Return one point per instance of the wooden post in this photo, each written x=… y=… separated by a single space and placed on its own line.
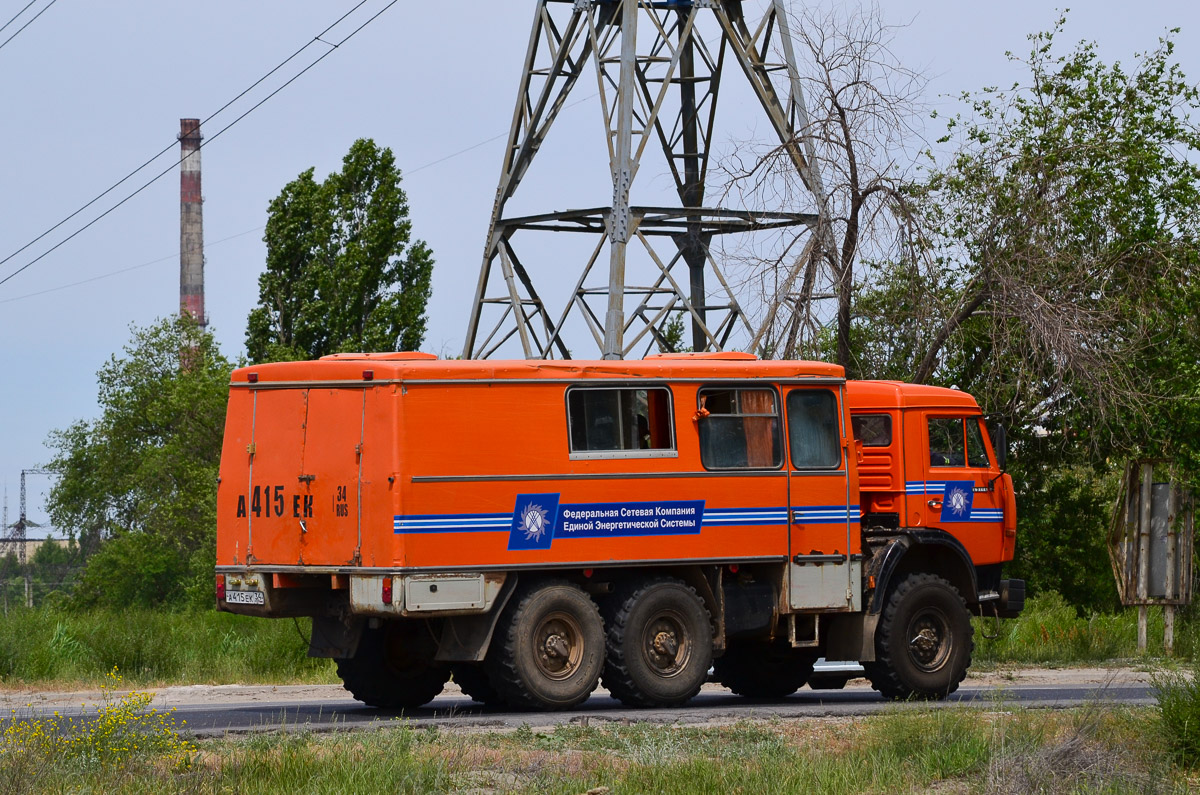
x=1169 y=629
x=1143 y=562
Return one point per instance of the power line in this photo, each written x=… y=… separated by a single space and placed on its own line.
x=45 y=8
x=110 y=274
x=155 y=178
x=19 y=13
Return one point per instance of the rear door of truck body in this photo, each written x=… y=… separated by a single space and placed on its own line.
x=951 y=481
x=310 y=477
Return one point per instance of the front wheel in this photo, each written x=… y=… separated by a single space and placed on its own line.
x=924 y=641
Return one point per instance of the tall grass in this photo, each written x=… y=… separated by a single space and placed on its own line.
x=1050 y=631
x=48 y=647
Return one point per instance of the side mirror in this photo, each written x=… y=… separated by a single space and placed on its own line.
x=1000 y=443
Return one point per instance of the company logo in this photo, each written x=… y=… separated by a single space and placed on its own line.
x=957 y=499
x=533 y=521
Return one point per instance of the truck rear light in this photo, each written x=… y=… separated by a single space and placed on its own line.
x=252 y=377
x=220 y=587
x=387 y=590
x=368 y=375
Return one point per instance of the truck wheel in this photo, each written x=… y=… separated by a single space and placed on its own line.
x=548 y=649
x=924 y=641
x=474 y=682
x=763 y=670
x=394 y=667
x=659 y=644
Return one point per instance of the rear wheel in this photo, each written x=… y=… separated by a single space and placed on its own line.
x=924 y=641
x=548 y=649
x=394 y=667
x=763 y=670
x=659 y=644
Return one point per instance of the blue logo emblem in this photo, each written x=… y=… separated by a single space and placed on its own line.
x=533 y=521
x=957 y=499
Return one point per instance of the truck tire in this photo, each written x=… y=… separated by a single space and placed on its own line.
x=548 y=649
x=763 y=670
x=474 y=682
x=659 y=643
x=394 y=667
x=924 y=640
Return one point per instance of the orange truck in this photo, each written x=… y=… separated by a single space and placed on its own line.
x=533 y=528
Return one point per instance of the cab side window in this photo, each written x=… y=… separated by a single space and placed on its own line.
x=742 y=429
x=813 y=429
x=956 y=442
x=619 y=421
x=947 y=445
x=873 y=430
x=976 y=453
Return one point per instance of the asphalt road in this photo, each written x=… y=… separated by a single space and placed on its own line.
x=713 y=705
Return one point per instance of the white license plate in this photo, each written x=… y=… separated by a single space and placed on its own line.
x=245 y=597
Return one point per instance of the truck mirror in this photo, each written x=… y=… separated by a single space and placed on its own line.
x=1000 y=442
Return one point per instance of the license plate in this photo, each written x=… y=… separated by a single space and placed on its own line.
x=245 y=597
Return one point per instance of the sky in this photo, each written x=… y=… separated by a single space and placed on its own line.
x=90 y=91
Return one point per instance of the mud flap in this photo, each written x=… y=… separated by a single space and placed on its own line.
x=466 y=638
x=334 y=637
x=852 y=637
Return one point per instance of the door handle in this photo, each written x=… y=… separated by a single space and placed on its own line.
x=934 y=503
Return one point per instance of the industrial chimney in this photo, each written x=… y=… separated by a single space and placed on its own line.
x=191 y=223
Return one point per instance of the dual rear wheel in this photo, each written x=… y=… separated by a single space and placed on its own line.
x=653 y=646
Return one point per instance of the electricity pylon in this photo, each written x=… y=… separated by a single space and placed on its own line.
x=659 y=80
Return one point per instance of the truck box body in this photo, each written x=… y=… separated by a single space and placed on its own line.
x=427 y=465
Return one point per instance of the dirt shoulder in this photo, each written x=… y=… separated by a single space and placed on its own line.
x=179 y=695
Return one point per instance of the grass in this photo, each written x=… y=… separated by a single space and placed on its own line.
x=51 y=648
x=1049 y=631
x=1095 y=749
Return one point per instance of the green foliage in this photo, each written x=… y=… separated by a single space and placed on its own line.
x=1051 y=631
x=341 y=273
x=1064 y=229
x=1064 y=514
x=133 y=570
x=144 y=473
x=1178 y=697
x=671 y=335
x=58 y=648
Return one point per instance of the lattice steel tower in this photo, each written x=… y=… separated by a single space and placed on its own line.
x=658 y=80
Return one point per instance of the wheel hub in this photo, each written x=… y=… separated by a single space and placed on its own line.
x=558 y=646
x=930 y=641
x=666 y=646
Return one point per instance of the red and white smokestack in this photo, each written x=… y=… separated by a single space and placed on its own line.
x=191 y=223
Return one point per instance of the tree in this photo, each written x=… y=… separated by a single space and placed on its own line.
x=864 y=107
x=341 y=272
x=145 y=471
x=1065 y=226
